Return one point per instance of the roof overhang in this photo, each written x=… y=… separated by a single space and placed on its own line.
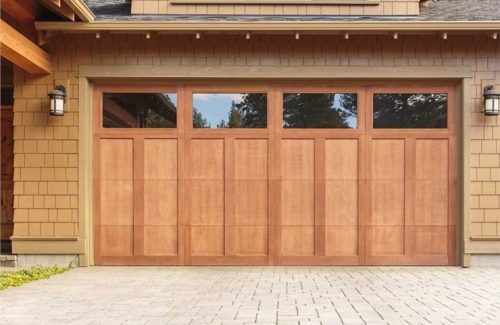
x=81 y=10
x=69 y=9
x=269 y=26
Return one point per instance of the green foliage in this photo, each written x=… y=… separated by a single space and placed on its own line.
x=198 y=120
x=326 y=110
x=410 y=110
x=18 y=278
x=251 y=112
x=222 y=124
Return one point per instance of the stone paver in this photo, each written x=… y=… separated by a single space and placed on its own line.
x=262 y=295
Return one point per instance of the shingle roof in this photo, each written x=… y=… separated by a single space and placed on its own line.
x=437 y=10
x=461 y=10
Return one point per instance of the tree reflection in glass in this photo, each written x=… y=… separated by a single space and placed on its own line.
x=400 y=111
x=320 y=111
x=233 y=111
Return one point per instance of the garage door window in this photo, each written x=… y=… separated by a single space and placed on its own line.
x=320 y=111
x=139 y=110
x=230 y=110
x=415 y=111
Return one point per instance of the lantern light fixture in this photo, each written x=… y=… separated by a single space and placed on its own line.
x=57 y=99
x=491 y=101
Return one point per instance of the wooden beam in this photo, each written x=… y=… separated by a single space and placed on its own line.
x=22 y=11
x=119 y=112
x=60 y=8
x=81 y=10
x=18 y=49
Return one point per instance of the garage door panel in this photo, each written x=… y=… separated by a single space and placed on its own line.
x=247 y=240
x=387 y=240
x=250 y=203
x=206 y=202
x=117 y=240
x=116 y=158
x=206 y=159
x=341 y=241
x=388 y=159
x=160 y=240
x=341 y=203
x=297 y=241
x=385 y=230
x=251 y=159
x=431 y=240
x=160 y=159
x=116 y=202
x=432 y=159
x=207 y=240
x=388 y=203
x=297 y=202
x=432 y=207
x=160 y=206
x=341 y=159
x=297 y=159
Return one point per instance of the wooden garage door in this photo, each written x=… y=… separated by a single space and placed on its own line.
x=268 y=175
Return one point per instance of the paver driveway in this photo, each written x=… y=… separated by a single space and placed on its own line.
x=263 y=295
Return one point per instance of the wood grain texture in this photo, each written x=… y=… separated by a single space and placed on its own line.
x=416 y=177
x=21 y=51
x=275 y=196
x=160 y=159
x=342 y=175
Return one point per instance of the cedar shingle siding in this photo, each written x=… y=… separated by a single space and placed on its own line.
x=46 y=148
x=386 y=7
x=436 y=10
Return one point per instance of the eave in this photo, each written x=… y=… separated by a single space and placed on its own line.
x=68 y=9
x=270 y=26
x=81 y=10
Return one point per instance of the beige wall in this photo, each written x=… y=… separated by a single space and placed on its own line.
x=45 y=160
x=382 y=7
x=46 y=148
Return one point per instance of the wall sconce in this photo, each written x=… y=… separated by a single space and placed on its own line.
x=491 y=101
x=57 y=99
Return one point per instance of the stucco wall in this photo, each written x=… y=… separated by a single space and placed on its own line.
x=46 y=148
x=236 y=7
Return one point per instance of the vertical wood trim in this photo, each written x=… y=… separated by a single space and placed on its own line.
x=229 y=197
x=86 y=105
x=367 y=230
x=454 y=215
x=452 y=111
x=464 y=197
x=362 y=165
x=278 y=102
x=319 y=197
x=188 y=116
x=97 y=96
x=181 y=176
x=363 y=162
x=138 y=179
x=272 y=196
x=409 y=198
x=452 y=201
